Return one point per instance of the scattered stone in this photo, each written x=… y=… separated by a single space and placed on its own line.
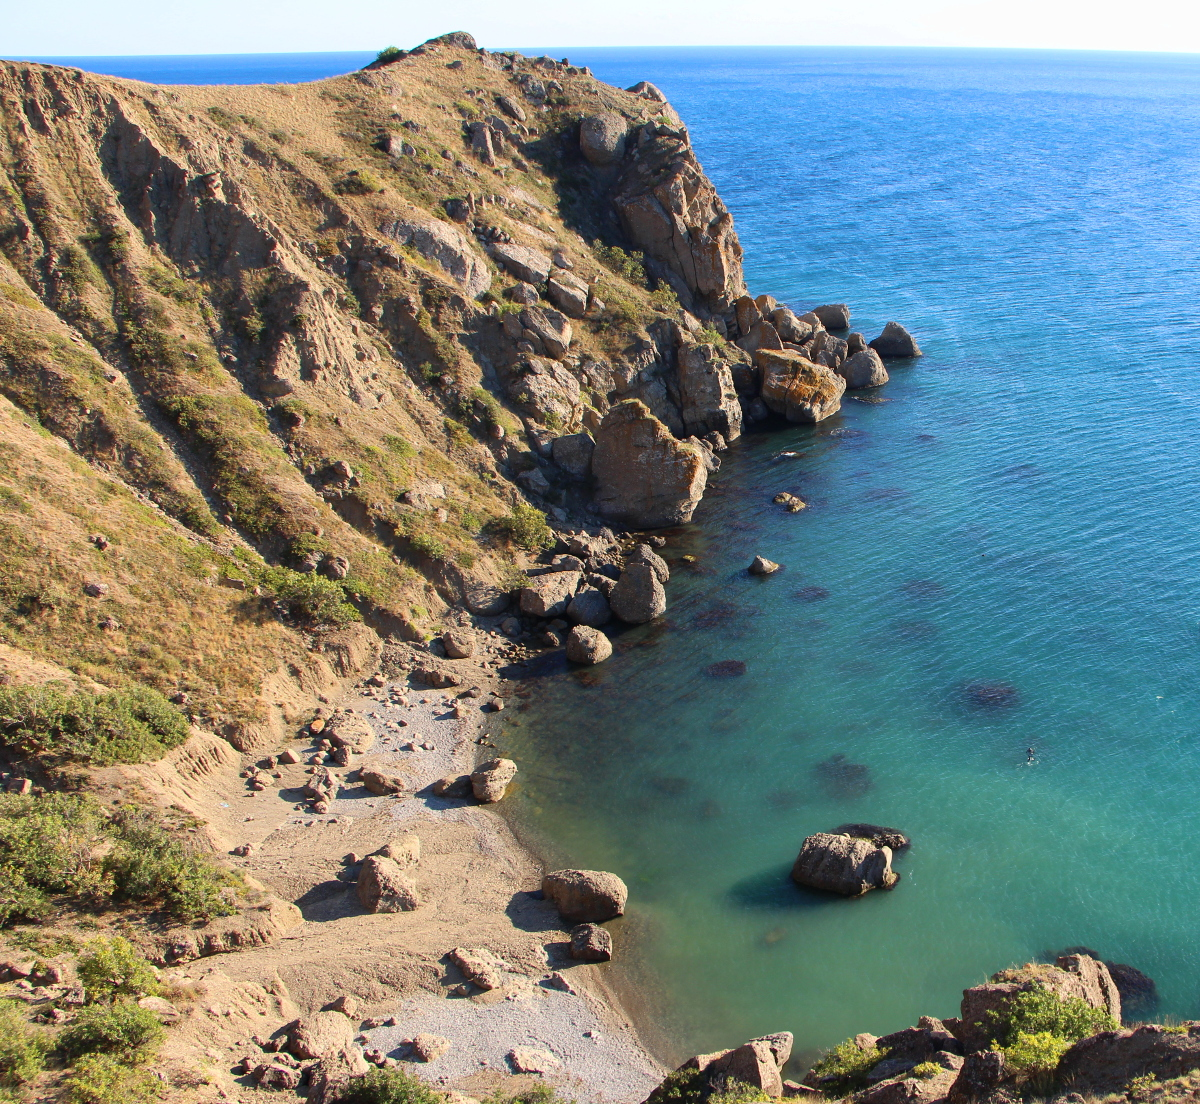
x=763 y=566
x=320 y=1034
x=458 y=644
x=429 y=1048
x=490 y=780
x=480 y=966
x=585 y=896
x=981 y=1075
x=404 y=850
x=588 y=645
x=895 y=341
x=453 y=786
x=383 y=779
x=95 y=590
x=590 y=943
x=163 y=1009
x=289 y=757
x=525 y=1059
x=345 y=1004
x=384 y=887
x=843 y=864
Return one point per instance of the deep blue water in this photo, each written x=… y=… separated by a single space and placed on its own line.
x=1024 y=509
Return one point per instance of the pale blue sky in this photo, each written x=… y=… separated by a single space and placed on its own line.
x=88 y=27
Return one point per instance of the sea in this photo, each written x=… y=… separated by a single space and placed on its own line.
x=986 y=629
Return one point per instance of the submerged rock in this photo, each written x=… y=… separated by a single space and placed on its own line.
x=879 y=836
x=726 y=668
x=841 y=778
x=645 y=478
x=843 y=864
x=991 y=696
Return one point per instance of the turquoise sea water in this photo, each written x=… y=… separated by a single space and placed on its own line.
x=1024 y=509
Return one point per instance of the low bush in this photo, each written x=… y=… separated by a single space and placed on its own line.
x=629 y=265
x=309 y=597
x=1039 y=1011
x=388 y=54
x=1035 y=1058
x=525 y=527
x=844 y=1069
x=358 y=182
x=23 y=1048
x=690 y=1086
x=124 y=1031
x=102 y=1079
x=926 y=1070
x=112 y=968
x=124 y=726
x=390 y=1086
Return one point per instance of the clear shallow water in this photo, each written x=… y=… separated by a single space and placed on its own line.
x=1024 y=509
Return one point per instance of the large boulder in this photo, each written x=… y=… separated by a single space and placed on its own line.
x=843 y=864
x=758 y=1063
x=550 y=595
x=797 y=388
x=833 y=316
x=585 y=896
x=789 y=327
x=638 y=596
x=480 y=966
x=590 y=943
x=896 y=341
x=383 y=886
x=350 y=731
x=602 y=138
x=382 y=777
x=448 y=247
x=530 y=265
x=645 y=478
x=914 y=1090
x=573 y=453
x=568 y=293
x=863 y=369
x=490 y=780
x=320 y=1034
x=643 y=553
x=1107 y=1062
x=553 y=329
x=589 y=607
x=587 y=645
x=458 y=643
x=707 y=398
x=981 y=1075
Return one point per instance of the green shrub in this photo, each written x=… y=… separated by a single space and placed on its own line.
x=738 y=1092
x=1035 y=1057
x=1039 y=1011
x=112 y=968
x=709 y=335
x=124 y=1031
x=388 y=54
x=23 y=1048
x=149 y=864
x=124 y=726
x=690 y=1086
x=538 y=1093
x=102 y=1079
x=389 y=1086
x=844 y=1069
x=429 y=546
x=526 y=527
x=358 y=182
x=309 y=597
x=926 y=1070
x=629 y=265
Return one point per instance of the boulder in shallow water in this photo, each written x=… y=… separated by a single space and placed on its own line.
x=896 y=341
x=843 y=864
x=833 y=316
x=638 y=596
x=585 y=896
x=590 y=943
x=549 y=595
x=792 y=385
x=863 y=369
x=490 y=780
x=589 y=607
x=643 y=553
x=762 y=566
x=587 y=645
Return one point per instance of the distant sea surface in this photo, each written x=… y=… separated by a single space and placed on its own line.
x=1001 y=552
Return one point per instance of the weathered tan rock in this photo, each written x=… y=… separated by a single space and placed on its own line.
x=863 y=369
x=602 y=138
x=588 y=645
x=590 y=943
x=843 y=864
x=569 y=294
x=485 y=599
x=527 y=1059
x=638 y=596
x=480 y=966
x=530 y=265
x=446 y=245
x=645 y=478
x=429 y=1048
x=334 y=1072
x=585 y=896
x=708 y=401
x=798 y=389
x=383 y=886
x=909 y=1090
x=383 y=777
x=671 y=212
x=552 y=327
x=981 y=1075
x=458 y=644
x=404 y=851
x=320 y=1034
x=549 y=595
x=758 y=1063
x=762 y=566
x=490 y=780
x=1107 y=1062
x=747 y=312
x=833 y=316
x=896 y=341
x=789 y=327
x=762 y=335
x=351 y=731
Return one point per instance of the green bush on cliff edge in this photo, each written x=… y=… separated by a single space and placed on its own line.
x=844 y=1069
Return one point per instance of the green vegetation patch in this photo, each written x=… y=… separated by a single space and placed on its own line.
x=691 y=1086
x=102 y=1079
x=124 y=1031
x=526 y=527
x=389 y=1086
x=844 y=1069
x=51 y=724
x=23 y=1048
x=112 y=969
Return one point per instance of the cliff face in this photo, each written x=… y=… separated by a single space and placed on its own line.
x=327 y=326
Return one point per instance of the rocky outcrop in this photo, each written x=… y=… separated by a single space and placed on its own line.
x=645 y=478
x=708 y=401
x=843 y=864
x=531 y=265
x=587 y=645
x=573 y=453
x=896 y=341
x=981 y=1075
x=638 y=596
x=797 y=388
x=602 y=138
x=585 y=896
x=1107 y=1062
x=671 y=212
x=758 y=1063
x=833 y=316
x=446 y=245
